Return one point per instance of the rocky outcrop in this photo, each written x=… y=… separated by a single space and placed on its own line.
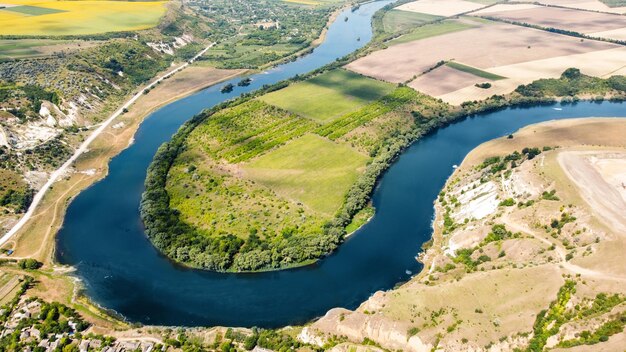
x=357 y=327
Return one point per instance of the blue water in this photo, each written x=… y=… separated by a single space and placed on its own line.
x=103 y=237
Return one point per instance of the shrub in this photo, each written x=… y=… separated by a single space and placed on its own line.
x=29 y=264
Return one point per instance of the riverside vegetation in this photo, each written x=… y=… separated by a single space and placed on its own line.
x=55 y=89
x=31 y=323
x=262 y=223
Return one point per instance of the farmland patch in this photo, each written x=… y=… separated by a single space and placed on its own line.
x=329 y=95
x=311 y=170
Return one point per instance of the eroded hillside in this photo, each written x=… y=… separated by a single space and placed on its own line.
x=526 y=253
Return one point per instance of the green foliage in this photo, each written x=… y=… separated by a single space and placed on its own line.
x=238 y=141
x=572 y=83
x=601 y=304
x=531 y=153
x=474 y=71
x=280 y=342
x=329 y=95
x=464 y=256
x=29 y=264
x=137 y=61
x=413 y=331
x=245 y=42
x=614 y=326
x=395 y=21
x=34 y=94
x=247 y=130
x=18 y=199
x=558 y=224
x=548 y=322
x=347 y=123
x=509 y=202
x=551 y=195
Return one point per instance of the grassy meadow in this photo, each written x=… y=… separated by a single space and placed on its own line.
x=311 y=170
x=474 y=71
x=62 y=18
x=329 y=95
x=432 y=30
x=397 y=20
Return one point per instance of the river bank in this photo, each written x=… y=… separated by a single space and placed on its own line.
x=472 y=302
x=37 y=238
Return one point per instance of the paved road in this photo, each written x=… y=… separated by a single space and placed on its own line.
x=85 y=146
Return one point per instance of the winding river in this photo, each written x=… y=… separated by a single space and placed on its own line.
x=103 y=238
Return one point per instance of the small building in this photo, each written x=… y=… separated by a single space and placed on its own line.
x=44 y=343
x=84 y=346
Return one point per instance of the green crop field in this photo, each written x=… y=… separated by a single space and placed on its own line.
x=310 y=169
x=432 y=30
x=247 y=130
x=614 y=3
x=23 y=48
x=474 y=71
x=328 y=96
x=217 y=203
x=32 y=10
x=398 y=20
x=60 y=18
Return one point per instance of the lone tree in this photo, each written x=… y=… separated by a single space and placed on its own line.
x=571 y=73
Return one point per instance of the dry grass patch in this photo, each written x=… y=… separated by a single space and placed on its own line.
x=591 y=23
x=591 y=5
x=444 y=80
x=444 y=8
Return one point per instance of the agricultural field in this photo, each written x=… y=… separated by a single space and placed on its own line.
x=433 y=30
x=609 y=6
x=329 y=95
x=247 y=130
x=473 y=47
x=594 y=24
x=311 y=170
x=257 y=173
x=63 y=18
x=443 y=80
x=216 y=201
x=475 y=69
x=9 y=285
x=398 y=20
x=254 y=179
x=13 y=49
x=445 y=8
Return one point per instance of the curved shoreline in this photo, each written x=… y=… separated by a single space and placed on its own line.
x=84 y=146
x=16 y=232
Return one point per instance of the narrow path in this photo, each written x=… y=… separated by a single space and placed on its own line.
x=561 y=251
x=84 y=147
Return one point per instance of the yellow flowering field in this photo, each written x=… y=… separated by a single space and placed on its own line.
x=54 y=18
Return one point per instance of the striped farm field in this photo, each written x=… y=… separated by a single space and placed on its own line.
x=62 y=18
x=328 y=96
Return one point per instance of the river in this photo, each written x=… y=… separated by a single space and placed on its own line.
x=103 y=237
